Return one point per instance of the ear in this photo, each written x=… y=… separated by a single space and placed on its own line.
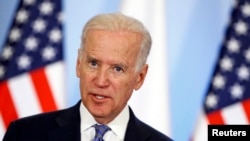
x=141 y=77
x=78 y=63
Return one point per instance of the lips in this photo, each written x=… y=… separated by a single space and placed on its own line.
x=99 y=97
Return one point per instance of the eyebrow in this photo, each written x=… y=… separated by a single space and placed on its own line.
x=90 y=58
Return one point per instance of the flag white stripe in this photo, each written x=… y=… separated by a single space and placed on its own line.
x=151 y=101
x=201 y=129
x=234 y=114
x=2 y=129
x=24 y=95
x=56 y=79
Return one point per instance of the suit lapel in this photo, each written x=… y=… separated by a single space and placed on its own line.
x=135 y=130
x=69 y=125
x=71 y=133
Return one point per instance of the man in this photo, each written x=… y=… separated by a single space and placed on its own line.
x=111 y=64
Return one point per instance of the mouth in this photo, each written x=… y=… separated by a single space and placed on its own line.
x=99 y=97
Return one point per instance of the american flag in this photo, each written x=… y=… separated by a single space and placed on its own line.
x=228 y=97
x=31 y=62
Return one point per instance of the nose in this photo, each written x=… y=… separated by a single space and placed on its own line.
x=102 y=78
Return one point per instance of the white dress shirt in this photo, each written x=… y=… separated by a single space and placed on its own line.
x=118 y=125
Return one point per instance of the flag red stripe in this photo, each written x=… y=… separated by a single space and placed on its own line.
x=246 y=105
x=7 y=108
x=215 y=118
x=43 y=90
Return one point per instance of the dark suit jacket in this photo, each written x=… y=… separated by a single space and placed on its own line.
x=64 y=125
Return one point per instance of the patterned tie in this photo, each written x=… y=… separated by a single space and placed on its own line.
x=100 y=130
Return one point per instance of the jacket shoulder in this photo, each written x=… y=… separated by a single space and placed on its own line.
x=155 y=134
x=36 y=126
x=143 y=131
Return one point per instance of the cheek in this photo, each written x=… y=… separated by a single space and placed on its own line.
x=130 y=84
x=85 y=83
x=125 y=88
x=82 y=71
x=85 y=79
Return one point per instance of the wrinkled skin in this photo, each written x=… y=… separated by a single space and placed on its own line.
x=106 y=69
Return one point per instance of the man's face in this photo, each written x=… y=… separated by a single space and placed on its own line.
x=107 y=73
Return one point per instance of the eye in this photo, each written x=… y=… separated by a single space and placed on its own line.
x=93 y=64
x=118 y=69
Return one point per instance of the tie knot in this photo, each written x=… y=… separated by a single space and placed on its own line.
x=100 y=130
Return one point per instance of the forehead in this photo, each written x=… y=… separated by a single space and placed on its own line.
x=127 y=35
x=116 y=40
x=109 y=45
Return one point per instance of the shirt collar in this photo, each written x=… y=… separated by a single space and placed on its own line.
x=118 y=125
